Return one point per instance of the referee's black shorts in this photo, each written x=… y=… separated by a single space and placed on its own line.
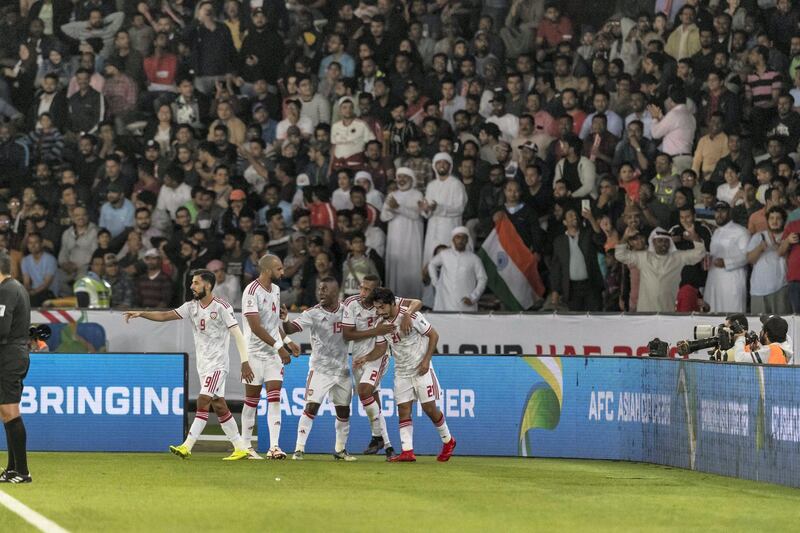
x=14 y=363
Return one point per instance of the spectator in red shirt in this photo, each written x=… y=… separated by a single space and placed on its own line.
x=554 y=27
x=790 y=250
x=322 y=212
x=161 y=68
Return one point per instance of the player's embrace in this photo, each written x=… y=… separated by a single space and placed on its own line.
x=213 y=323
x=414 y=377
x=328 y=371
x=261 y=309
x=360 y=325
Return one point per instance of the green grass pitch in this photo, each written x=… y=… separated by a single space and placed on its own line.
x=159 y=492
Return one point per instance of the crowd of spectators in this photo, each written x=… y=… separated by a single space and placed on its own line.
x=645 y=150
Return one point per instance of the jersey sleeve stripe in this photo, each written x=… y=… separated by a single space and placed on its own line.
x=251 y=313
x=177 y=313
x=298 y=326
x=380 y=341
x=428 y=330
x=222 y=302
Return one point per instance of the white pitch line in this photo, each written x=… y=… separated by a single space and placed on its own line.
x=29 y=515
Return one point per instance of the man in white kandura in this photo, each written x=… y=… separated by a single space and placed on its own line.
x=329 y=369
x=213 y=323
x=414 y=377
x=458 y=275
x=360 y=325
x=405 y=235
x=261 y=309
x=726 y=286
x=444 y=203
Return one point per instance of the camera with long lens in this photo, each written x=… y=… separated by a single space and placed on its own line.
x=717 y=338
x=41 y=332
x=657 y=348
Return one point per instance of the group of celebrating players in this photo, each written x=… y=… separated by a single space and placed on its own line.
x=376 y=323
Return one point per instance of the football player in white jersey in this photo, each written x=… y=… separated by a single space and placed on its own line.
x=261 y=309
x=213 y=323
x=329 y=370
x=414 y=377
x=360 y=325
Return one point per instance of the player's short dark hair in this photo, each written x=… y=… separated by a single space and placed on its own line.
x=5 y=263
x=328 y=279
x=383 y=295
x=206 y=275
x=371 y=277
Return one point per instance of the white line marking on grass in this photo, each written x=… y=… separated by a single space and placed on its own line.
x=29 y=515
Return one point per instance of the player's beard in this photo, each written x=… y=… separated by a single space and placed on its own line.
x=200 y=295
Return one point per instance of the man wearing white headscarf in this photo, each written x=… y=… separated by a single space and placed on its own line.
x=404 y=238
x=659 y=267
x=457 y=274
x=374 y=196
x=444 y=203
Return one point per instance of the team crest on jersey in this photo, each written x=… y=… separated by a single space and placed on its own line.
x=213 y=315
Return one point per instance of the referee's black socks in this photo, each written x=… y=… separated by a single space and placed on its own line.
x=16 y=437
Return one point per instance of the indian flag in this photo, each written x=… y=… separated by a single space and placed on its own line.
x=513 y=270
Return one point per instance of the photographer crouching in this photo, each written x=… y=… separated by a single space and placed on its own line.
x=721 y=339
x=773 y=346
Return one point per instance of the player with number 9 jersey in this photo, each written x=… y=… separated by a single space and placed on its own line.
x=212 y=337
x=213 y=325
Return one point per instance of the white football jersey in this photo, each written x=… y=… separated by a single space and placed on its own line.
x=363 y=318
x=212 y=337
x=328 y=347
x=266 y=304
x=408 y=350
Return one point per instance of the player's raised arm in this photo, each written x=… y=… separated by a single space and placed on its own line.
x=377 y=352
x=155 y=316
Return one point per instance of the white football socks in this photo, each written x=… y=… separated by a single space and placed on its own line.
x=231 y=430
x=444 y=431
x=303 y=429
x=342 y=432
x=274 y=417
x=198 y=425
x=407 y=435
x=249 y=419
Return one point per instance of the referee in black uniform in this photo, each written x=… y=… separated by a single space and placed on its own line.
x=15 y=323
